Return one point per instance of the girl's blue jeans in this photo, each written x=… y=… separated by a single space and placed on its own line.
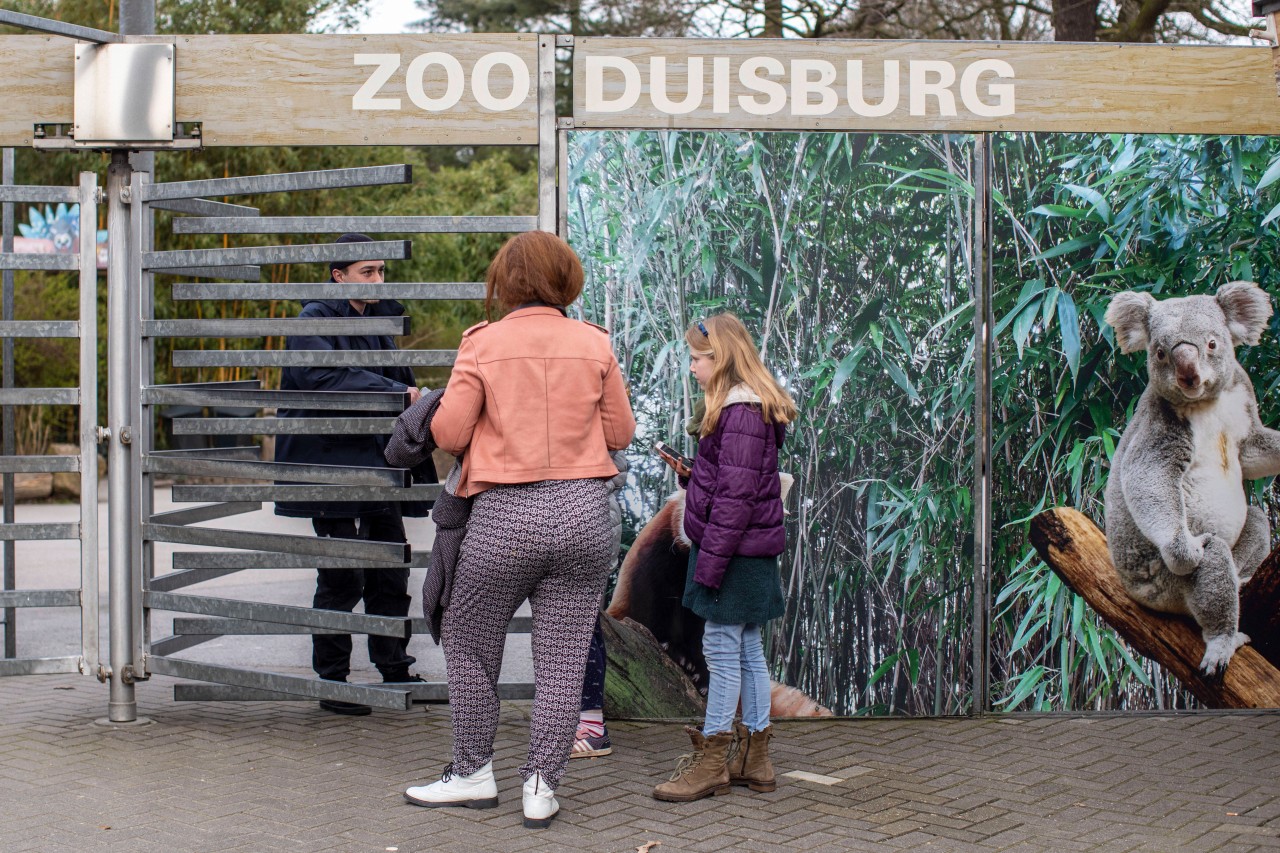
x=735 y=657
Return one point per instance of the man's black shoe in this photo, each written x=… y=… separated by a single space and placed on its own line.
x=348 y=709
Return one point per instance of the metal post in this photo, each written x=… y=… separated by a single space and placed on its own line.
x=123 y=706
x=547 y=161
x=89 y=627
x=982 y=330
x=9 y=441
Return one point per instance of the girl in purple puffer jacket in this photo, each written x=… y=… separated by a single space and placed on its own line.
x=733 y=517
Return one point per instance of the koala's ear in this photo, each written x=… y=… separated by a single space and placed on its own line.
x=1128 y=314
x=1247 y=308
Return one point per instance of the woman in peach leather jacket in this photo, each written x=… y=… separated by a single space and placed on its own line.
x=535 y=405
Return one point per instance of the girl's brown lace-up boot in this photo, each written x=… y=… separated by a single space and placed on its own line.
x=701 y=773
x=750 y=763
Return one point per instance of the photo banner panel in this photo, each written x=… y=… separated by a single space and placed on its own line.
x=310 y=89
x=935 y=86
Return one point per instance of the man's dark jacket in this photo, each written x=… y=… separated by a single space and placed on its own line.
x=359 y=450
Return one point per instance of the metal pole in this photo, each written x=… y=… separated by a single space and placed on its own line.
x=123 y=706
x=547 y=160
x=982 y=330
x=9 y=441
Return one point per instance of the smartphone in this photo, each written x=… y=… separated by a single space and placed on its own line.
x=682 y=464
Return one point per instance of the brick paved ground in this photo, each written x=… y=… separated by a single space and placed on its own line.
x=268 y=777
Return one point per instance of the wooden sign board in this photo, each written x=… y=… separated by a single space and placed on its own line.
x=310 y=89
x=938 y=86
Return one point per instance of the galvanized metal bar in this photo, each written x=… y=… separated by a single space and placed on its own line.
x=39 y=329
x=238 y=560
x=43 y=666
x=257 y=612
x=260 y=328
x=431 y=691
x=173 y=645
x=202 y=207
x=517 y=625
x=283 y=426
x=235 y=273
x=562 y=184
x=547 y=160
x=11 y=193
x=393 y=553
x=40 y=598
x=184 y=494
x=44 y=531
x=8 y=549
x=224 y=626
x=983 y=324
x=39 y=464
x=122 y=706
x=319 y=253
x=330 y=179
x=170 y=581
x=395 y=699
x=142 y=354
x=87 y=462
x=168 y=462
x=246 y=453
x=197 y=514
x=48 y=262
x=363 y=224
x=58 y=28
x=354 y=401
x=332 y=290
x=39 y=396
x=314 y=358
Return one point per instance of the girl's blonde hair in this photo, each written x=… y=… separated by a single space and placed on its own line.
x=737 y=362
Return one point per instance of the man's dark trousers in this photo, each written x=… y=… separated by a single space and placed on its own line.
x=384 y=591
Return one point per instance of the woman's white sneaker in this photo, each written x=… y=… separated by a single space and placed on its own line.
x=540 y=804
x=477 y=791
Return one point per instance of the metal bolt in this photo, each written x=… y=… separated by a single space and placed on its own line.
x=126 y=435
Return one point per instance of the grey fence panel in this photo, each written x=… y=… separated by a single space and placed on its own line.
x=59 y=28
x=197 y=514
x=366 y=176
x=393 y=326
x=40 y=598
x=183 y=494
x=426 y=692
x=391 y=553
x=379 y=250
x=39 y=464
x=31 y=194
x=363 y=224
x=40 y=396
x=43 y=666
x=171 y=581
x=27 y=532
x=238 y=273
x=40 y=329
x=237 y=560
x=202 y=207
x=395 y=699
x=284 y=426
x=164 y=463
x=314 y=358
x=27 y=261
x=252 y=398
x=331 y=290
x=257 y=613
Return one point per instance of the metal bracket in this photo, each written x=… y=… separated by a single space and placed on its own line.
x=129 y=675
x=126 y=195
x=56 y=136
x=564 y=123
x=103 y=673
x=126 y=435
x=103 y=434
x=564 y=41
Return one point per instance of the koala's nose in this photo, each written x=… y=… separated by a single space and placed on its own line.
x=1186 y=365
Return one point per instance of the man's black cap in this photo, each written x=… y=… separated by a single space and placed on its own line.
x=347 y=238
